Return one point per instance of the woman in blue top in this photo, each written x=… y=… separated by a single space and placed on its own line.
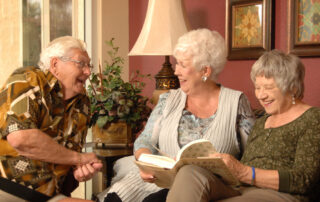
x=200 y=109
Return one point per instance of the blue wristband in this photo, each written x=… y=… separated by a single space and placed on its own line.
x=253 y=175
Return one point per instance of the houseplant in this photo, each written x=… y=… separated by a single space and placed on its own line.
x=112 y=99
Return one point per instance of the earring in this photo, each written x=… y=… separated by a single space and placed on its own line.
x=293 y=100
x=204 y=78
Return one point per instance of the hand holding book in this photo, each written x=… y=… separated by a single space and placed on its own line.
x=197 y=152
x=234 y=165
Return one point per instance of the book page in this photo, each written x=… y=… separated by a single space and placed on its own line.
x=164 y=177
x=160 y=161
x=197 y=148
x=194 y=153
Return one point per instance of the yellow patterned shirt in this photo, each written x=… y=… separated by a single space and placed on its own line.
x=33 y=99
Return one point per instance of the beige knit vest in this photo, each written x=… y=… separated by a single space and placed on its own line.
x=221 y=132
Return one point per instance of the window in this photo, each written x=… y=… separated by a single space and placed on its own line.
x=31 y=31
x=27 y=26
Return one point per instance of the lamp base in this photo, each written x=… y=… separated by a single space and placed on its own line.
x=165 y=80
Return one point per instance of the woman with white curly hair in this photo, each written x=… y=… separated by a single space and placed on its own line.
x=200 y=109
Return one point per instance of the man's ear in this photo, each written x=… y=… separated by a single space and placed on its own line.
x=53 y=66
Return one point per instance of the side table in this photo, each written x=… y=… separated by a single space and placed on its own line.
x=110 y=156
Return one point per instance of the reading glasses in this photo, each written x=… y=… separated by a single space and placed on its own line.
x=80 y=64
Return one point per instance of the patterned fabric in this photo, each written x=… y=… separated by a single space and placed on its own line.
x=293 y=149
x=191 y=127
x=33 y=99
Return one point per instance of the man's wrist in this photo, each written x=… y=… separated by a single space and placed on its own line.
x=77 y=159
x=80 y=159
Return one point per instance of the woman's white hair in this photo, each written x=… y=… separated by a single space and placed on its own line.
x=59 y=47
x=205 y=47
x=287 y=71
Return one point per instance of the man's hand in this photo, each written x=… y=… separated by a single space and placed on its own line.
x=88 y=158
x=87 y=171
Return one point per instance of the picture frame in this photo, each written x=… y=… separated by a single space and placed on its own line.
x=303 y=32
x=249 y=28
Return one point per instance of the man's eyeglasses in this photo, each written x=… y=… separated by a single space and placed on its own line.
x=80 y=64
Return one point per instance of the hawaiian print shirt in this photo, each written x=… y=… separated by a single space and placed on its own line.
x=33 y=99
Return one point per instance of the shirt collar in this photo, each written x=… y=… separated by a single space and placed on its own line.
x=52 y=81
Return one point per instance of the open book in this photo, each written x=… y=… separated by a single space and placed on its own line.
x=196 y=153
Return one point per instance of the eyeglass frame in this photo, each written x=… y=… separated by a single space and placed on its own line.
x=81 y=64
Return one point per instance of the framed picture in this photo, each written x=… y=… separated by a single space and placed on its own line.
x=249 y=28
x=304 y=27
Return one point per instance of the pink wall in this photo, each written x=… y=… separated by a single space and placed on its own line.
x=211 y=14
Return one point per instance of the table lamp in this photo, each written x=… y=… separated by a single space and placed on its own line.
x=165 y=22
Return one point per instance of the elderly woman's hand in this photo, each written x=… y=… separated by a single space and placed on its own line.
x=147 y=177
x=238 y=169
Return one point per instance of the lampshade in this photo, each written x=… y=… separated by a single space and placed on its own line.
x=165 y=22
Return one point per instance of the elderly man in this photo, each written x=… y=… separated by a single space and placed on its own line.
x=44 y=120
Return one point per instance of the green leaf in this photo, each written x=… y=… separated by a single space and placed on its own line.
x=108 y=105
x=117 y=99
x=102 y=120
x=110 y=118
x=122 y=101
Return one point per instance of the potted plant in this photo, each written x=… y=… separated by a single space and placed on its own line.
x=114 y=101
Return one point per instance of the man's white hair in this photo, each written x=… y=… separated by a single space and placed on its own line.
x=59 y=47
